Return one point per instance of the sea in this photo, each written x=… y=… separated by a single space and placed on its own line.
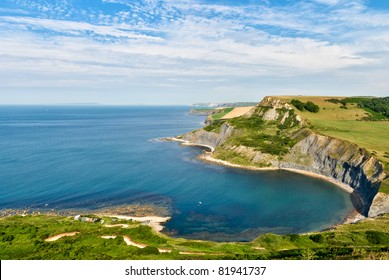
x=94 y=157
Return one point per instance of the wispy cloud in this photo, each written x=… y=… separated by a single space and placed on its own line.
x=169 y=42
x=328 y=2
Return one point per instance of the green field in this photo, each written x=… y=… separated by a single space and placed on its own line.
x=24 y=238
x=373 y=136
x=222 y=113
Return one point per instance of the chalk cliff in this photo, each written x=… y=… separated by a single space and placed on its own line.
x=337 y=159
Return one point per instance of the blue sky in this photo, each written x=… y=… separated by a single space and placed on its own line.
x=181 y=52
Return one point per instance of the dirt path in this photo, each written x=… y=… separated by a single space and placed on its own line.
x=58 y=236
x=118 y=225
x=132 y=243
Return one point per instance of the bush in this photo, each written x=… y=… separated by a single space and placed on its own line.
x=333 y=100
x=149 y=250
x=377 y=237
x=8 y=238
x=294 y=237
x=311 y=107
x=317 y=238
x=380 y=106
x=298 y=104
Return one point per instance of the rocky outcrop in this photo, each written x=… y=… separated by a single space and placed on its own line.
x=380 y=205
x=339 y=160
x=208 y=139
x=273 y=109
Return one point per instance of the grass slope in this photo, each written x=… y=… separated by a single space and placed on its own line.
x=23 y=238
x=222 y=113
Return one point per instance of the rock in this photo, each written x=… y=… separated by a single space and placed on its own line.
x=211 y=139
x=380 y=205
x=340 y=160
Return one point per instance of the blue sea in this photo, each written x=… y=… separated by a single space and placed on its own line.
x=92 y=157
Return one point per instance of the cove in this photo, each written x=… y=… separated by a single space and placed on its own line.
x=91 y=157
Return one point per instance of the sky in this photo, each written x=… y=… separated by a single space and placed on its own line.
x=183 y=52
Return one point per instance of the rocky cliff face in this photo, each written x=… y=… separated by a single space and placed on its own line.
x=208 y=139
x=337 y=159
x=340 y=160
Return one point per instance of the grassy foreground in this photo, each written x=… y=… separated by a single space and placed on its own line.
x=24 y=238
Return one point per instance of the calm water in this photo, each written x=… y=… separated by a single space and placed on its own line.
x=92 y=157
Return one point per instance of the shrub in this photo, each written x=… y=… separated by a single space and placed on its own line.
x=298 y=104
x=333 y=100
x=377 y=237
x=149 y=250
x=317 y=238
x=311 y=107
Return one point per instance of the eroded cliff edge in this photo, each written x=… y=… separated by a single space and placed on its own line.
x=273 y=135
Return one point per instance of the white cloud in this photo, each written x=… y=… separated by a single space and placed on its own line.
x=196 y=43
x=75 y=28
x=328 y=2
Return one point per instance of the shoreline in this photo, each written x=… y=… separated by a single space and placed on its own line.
x=207 y=156
x=155 y=222
x=150 y=217
x=352 y=217
x=187 y=143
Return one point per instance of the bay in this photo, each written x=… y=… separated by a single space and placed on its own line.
x=92 y=157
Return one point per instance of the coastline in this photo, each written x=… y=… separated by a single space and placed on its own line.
x=187 y=143
x=150 y=215
x=352 y=217
x=207 y=156
x=155 y=222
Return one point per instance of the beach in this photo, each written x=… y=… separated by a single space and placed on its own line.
x=207 y=157
x=155 y=222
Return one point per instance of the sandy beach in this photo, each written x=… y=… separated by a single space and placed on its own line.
x=154 y=222
x=208 y=157
x=352 y=217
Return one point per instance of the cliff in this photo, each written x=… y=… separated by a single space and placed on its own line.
x=340 y=160
x=273 y=135
x=209 y=139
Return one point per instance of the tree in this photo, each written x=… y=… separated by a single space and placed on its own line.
x=312 y=107
x=298 y=104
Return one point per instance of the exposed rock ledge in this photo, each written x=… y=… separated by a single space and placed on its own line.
x=338 y=160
